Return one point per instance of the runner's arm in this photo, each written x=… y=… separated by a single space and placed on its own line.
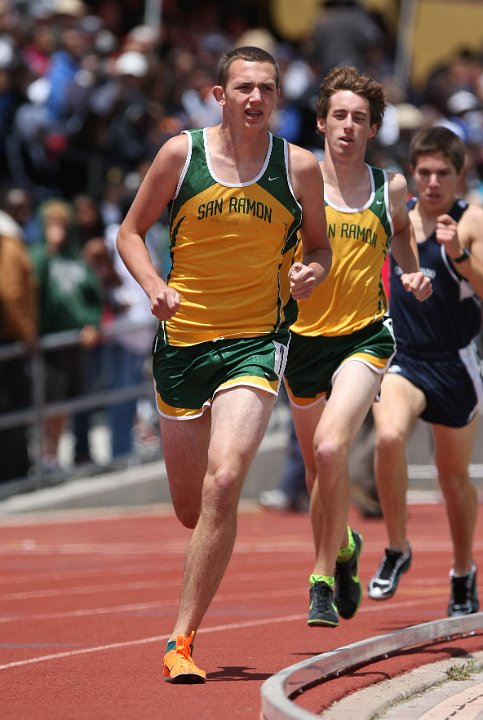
x=403 y=244
x=308 y=185
x=154 y=194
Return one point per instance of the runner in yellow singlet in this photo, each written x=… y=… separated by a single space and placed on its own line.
x=341 y=342
x=237 y=196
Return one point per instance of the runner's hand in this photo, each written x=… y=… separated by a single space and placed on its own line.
x=446 y=232
x=302 y=281
x=166 y=303
x=418 y=284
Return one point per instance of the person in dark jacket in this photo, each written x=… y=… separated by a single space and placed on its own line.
x=18 y=322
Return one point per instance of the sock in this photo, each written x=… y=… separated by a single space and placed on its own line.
x=328 y=579
x=347 y=552
x=171 y=645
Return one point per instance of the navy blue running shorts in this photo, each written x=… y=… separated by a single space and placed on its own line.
x=453 y=387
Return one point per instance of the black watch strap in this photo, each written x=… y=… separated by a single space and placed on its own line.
x=465 y=255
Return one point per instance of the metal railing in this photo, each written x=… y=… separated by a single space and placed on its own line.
x=280 y=690
x=34 y=415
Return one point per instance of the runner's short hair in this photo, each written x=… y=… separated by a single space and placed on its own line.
x=437 y=139
x=349 y=78
x=250 y=54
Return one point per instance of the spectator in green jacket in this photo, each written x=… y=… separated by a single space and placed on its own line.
x=70 y=299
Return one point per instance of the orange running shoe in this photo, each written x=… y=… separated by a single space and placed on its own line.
x=178 y=666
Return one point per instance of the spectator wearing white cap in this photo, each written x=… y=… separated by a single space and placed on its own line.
x=132 y=63
x=465 y=116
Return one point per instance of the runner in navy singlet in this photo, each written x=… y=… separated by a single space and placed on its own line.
x=436 y=373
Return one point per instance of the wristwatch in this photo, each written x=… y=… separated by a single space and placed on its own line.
x=465 y=255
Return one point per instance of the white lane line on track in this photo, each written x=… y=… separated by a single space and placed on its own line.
x=95 y=548
x=57 y=575
x=84 y=590
x=172 y=602
x=139 y=585
x=163 y=638
x=117 y=551
x=80 y=613
x=262 y=594
x=145 y=641
x=257 y=546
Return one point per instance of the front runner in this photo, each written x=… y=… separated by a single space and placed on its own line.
x=237 y=197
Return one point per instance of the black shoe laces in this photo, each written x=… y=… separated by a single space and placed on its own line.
x=322 y=597
x=461 y=587
x=388 y=565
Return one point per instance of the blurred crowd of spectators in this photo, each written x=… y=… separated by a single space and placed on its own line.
x=88 y=93
x=85 y=102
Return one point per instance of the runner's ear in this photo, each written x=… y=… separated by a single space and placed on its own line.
x=219 y=94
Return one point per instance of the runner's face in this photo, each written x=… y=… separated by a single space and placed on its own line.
x=436 y=181
x=251 y=93
x=347 y=127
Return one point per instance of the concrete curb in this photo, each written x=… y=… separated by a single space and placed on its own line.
x=407 y=696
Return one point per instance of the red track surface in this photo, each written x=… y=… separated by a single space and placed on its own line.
x=87 y=602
